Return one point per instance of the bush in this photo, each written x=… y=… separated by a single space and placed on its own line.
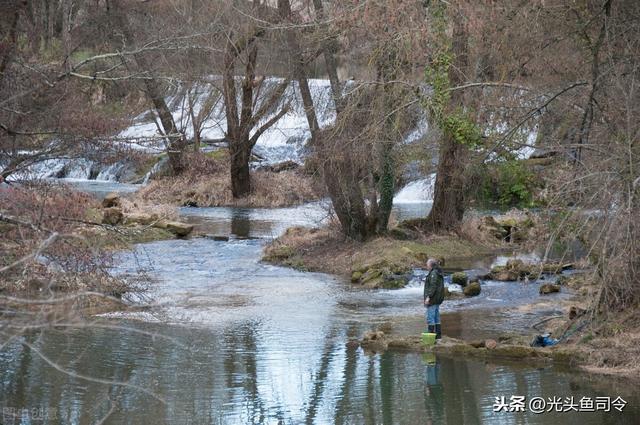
x=508 y=184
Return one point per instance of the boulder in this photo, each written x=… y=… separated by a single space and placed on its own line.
x=491 y=226
x=370 y=274
x=140 y=218
x=472 y=289
x=460 y=278
x=502 y=274
x=178 y=228
x=549 y=288
x=355 y=277
x=514 y=270
x=111 y=200
x=112 y=216
x=448 y=295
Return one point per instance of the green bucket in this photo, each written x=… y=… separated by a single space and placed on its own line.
x=428 y=338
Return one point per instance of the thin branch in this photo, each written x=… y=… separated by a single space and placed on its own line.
x=90 y=378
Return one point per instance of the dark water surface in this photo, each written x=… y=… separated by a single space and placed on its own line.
x=233 y=341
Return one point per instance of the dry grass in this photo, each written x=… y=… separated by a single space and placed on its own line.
x=209 y=185
x=43 y=245
x=141 y=206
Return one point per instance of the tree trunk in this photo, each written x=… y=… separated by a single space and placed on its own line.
x=176 y=142
x=10 y=42
x=386 y=187
x=66 y=33
x=449 y=192
x=240 y=178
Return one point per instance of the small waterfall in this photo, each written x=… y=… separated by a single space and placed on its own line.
x=79 y=169
x=112 y=172
x=418 y=191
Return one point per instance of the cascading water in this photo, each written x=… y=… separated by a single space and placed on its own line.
x=418 y=191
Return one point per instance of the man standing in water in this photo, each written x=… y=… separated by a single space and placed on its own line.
x=433 y=296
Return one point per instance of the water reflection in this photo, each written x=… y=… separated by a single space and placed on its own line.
x=240 y=224
x=239 y=377
x=270 y=345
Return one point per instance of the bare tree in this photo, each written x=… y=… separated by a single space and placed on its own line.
x=248 y=113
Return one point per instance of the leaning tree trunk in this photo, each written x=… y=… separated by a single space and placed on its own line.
x=337 y=169
x=176 y=142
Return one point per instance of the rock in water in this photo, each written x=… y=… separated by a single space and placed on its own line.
x=112 y=216
x=549 y=288
x=178 y=228
x=472 y=289
x=460 y=278
x=111 y=200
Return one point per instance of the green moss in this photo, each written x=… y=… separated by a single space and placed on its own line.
x=277 y=254
x=459 y=278
x=218 y=154
x=296 y=264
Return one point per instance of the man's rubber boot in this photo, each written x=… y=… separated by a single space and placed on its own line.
x=431 y=329
x=438 y=331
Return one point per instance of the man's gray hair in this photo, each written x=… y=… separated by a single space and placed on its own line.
x=432 y=262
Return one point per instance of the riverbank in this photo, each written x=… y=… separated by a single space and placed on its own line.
x=603 y=346
x=58 y=246
x=386 y=261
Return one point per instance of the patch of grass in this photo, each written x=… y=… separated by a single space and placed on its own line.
x=379 y=262
x=269 y=190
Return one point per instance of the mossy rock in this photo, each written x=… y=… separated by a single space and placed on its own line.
x=460 y=278
x=502 y=274
x=402 y=234
x=514 y=270
x=515 y=264
x=374 y=283
x=296 y=264
x=355 y=276
x=394 y=283
x=371 y=274
x=549 y=288
x=472 y=289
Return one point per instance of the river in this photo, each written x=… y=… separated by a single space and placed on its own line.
x=231 y=340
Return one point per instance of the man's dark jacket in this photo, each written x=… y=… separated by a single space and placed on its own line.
x=434 y=286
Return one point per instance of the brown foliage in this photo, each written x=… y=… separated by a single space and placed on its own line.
x=57 y=252
x=207 y=184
